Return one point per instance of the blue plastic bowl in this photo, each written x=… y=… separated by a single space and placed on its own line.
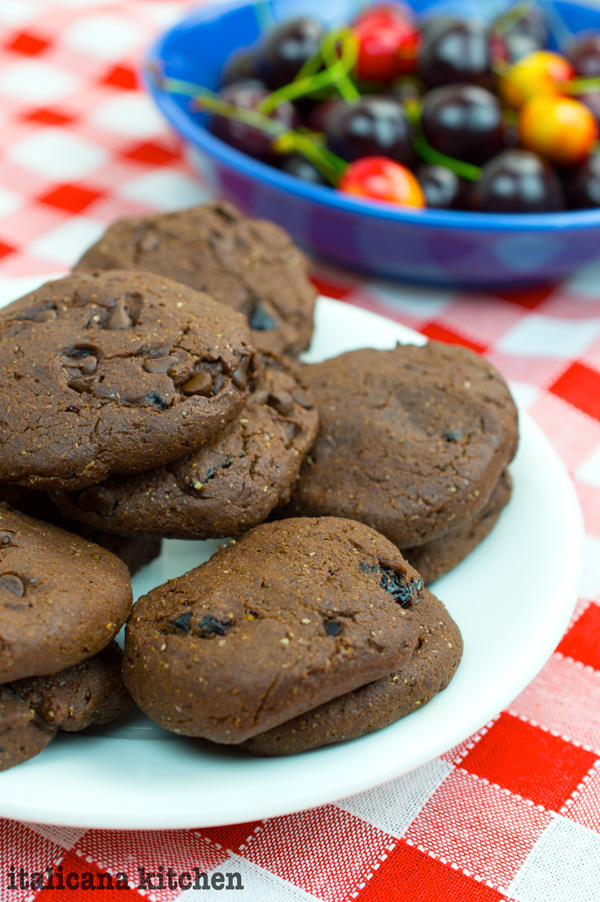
x=429 y=246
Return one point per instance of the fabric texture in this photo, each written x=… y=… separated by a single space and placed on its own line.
x=513 y=812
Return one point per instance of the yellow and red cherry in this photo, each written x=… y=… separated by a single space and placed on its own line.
x=387 y=47
x=560 y=129
x=379 y=178
x=541 y=72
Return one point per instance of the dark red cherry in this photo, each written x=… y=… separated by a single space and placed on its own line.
x=443 y=188
x=374 y=126
x=286 y=48
x=455 y=52
x=298 y=165
x=584 y=56
x=527 y=35
x=241 y=66
x=518 y=181
x=463 y=121
x=582 y=184
x=247 y=95
x=592 y=102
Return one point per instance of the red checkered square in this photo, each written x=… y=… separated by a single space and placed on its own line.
x=481 y=318
x=584 y=807
x=130 y=851
x=330 y=289
x=5 y=249
x=573 y=434
x=479 y=827
x=121 y=77
x=77 y=880
x=580 y=386
x=564 y=698
x=325 y=851
x=72 y=198
x=152 y=153
x=439 y=333
x=582 y=642
x=23 y=848
x=546 y=769
x=28 y=44
x=232 y=836
x=408 y=875
x=45 y=116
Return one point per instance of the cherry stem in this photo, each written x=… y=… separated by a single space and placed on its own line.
x=335 y=73
x=434 y=157
x=579 y=85
x=328 y=164
x=513 y=16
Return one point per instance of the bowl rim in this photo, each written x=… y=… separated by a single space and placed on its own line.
x=199 y=136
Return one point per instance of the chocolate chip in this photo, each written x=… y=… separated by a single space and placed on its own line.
x=452 y=435
x=13 y=584
x=368 y=568
x=303 y=399
x=260 y=320
x=282 y=402
x=332 y=627
x=240 y=374
x=88 y=364
x=79 y=384
x=210 y=626
x=199 y=384
x=183 y=622
x=404 y=592
x=45 y=316
x=6 y=538
x=157 y=365
x=120 y=318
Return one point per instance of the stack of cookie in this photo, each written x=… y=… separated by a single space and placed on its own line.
x=62 y=602
x=154 y=394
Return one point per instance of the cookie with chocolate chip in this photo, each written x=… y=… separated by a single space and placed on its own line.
x=436 y=558
x=230 y=484
x=412 y=441
x=288 y=617
x=62 y=598
x=249 y=264
x=134 y=551
x=428 y=671
x=32 y=710
x=114 y=372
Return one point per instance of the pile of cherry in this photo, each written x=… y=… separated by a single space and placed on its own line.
x=446 y=113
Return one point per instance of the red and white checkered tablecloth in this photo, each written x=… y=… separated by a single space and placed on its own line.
x=515 y=811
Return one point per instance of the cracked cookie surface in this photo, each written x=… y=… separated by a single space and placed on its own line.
x=113 y=372
x=427 y=672
x=291 y=615
x=412 y=441
x=62 y=598
x=32 y=710
x=249 y=264
x=230 y=484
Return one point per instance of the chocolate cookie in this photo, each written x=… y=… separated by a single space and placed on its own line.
x=62 y=598
x=293 y=614
x=134 y=551
x=249 y=264
x=429 y=670
x=411 y=441
x=33 y=710
x=113 y=372
x=434 y=559
x=227 y=486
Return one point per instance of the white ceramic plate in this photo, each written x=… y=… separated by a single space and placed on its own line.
x=512 y=599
